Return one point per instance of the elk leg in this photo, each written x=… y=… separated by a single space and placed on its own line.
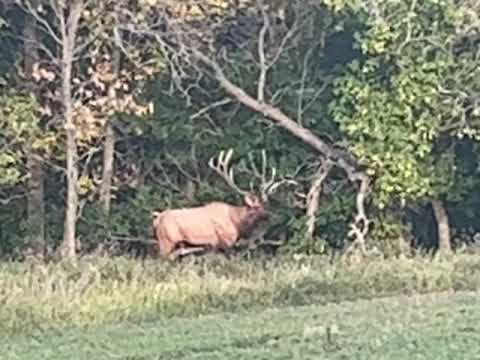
x=165 y=248
x=185 y=251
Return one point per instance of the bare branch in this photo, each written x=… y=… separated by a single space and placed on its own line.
x=181 y=169
x=409 y=28
x=88 y=158
x=56 y=8
x=300 y=103
x=261 y=53
x=41 y=47
x=222 y=168
x=272 y=113
x=48 y=163
x=360 y=226
x=209 y=107
x=30 y=9
x=312 y=200
x=6 y=201
x=167 y=182
x=316 y=95
x=295 y=27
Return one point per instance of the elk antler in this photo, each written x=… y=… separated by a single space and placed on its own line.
x=222 y=169
x=269 y=184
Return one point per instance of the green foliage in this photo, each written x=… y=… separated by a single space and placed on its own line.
x=19 y=131
x=396 y=103
x=334 y=215
x=299 y=242
x=389 y=235
x=12 y=230
x=392 y=128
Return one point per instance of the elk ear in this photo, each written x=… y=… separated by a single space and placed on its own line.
x=247 y=199
x=251 y=201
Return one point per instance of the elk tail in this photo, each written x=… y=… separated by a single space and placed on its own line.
x=155 y=216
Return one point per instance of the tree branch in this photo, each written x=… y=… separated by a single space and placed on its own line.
x=306 y=135
x=29 y=8
x=207 y=108
x=262 y=78
x=313 y=197
x=6 y=201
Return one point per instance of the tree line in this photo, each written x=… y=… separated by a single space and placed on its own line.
x=369 y=109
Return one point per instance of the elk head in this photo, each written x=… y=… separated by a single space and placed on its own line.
x=254 y=210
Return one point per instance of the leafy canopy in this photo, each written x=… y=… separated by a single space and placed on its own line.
x=408 y=91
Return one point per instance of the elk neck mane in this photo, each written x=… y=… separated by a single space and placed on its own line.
x=245 y=219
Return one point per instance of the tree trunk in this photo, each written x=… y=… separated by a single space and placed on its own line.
x=68 y=41
x=69 y=232
x=36 y=194
x=107 y=171
x=190 y=190
x=443 y=226
x=109 y=151
x=36 y=206
x=313 y=197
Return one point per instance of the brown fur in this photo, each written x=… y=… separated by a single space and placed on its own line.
x=214 y=225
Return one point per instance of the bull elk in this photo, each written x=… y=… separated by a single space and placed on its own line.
x=216 y=225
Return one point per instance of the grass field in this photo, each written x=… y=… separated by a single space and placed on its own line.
x=217 y=308
x=440 y=326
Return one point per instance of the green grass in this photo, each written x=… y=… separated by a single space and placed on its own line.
x=94 y=292
x=437 y=327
